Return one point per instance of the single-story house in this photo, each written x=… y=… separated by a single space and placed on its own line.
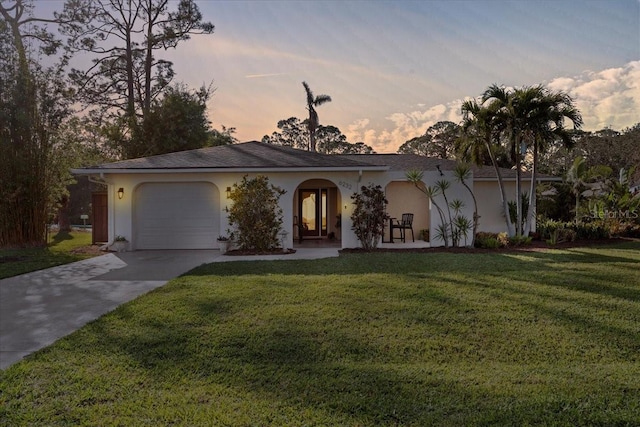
x=178 y=200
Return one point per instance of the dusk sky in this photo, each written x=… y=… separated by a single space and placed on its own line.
x=395 y=68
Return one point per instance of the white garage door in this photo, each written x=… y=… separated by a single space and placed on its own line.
x=176 y=216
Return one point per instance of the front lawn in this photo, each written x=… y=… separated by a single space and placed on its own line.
x=63 y=248
x=531 y=338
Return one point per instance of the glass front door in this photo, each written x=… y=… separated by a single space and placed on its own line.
x=313 y=212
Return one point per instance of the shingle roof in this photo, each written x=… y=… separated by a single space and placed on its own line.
x=407 y=162
x=248 y=155
x=257 y=155
x=403 y=162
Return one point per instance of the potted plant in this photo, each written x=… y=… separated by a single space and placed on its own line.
x=223 y=243
x=120 y=243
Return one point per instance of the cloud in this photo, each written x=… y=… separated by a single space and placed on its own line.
x=258 y=76
x=610 y=97
x=404 y=126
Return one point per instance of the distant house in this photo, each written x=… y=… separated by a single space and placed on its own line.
x=178 y=200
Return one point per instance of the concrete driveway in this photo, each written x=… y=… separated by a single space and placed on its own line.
x=38 y=308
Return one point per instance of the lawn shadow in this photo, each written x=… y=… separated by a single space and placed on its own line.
x=60 y=237
x=407 y=262
x=306 y=361
x=287 y=365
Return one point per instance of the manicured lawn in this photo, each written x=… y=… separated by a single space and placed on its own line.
x=540 y=338
x=61 y=250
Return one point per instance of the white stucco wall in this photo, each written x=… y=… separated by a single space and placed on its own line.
x=121 y=212
x=490 y=204
x=403 y=197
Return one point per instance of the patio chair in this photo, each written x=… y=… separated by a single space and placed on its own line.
x=406 y=223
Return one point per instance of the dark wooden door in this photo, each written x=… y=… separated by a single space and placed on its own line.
x=100 y=213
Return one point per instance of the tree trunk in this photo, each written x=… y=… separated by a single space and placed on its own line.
x=518 y=188
x=148 y=63
x=533 y=202
x=503 y=197
x=64 y=223
x=476 y=218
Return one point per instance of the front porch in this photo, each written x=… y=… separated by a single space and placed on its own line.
x=327 y=243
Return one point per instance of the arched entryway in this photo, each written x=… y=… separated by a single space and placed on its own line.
x=317 y=212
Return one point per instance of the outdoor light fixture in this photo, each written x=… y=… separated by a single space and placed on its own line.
x=438 y=167
x=228 y=192
x=120 y=193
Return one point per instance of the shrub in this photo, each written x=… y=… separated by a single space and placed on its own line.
x=369 y=215
x=569 y=231
x=591 y=230
x=623 y=229
x=567 y=235
x=503 y=239
x=487 y=240
x=520 y=240
x=256 y=214
x=491 y=243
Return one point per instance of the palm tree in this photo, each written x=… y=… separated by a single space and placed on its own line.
x=530 y=117
x=547 y=125
x=313 y=122
x=479 y=129
x=510 y=108
x=462 y=173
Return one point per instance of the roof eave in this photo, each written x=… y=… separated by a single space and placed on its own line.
x=93 y=171
x=552 y=178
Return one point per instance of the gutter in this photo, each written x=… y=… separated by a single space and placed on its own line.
x=539 y=179
x=102 y=171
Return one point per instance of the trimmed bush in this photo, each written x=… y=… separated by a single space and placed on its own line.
x=369 y=215
x=256 y=214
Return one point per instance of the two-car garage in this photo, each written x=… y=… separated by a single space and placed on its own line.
x=176 y=215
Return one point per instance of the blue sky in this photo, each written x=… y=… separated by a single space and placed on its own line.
x=395 y=68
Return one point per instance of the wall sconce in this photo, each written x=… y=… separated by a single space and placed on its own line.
x=120 y=193
x=228 y=192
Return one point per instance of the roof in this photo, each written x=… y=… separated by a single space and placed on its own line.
x=246 y=156
x=406 y=162
x=258 y=156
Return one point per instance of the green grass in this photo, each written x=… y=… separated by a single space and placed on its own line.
x=59 y=251
x=545 y=338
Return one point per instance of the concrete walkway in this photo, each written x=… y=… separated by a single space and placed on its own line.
x=38 y=308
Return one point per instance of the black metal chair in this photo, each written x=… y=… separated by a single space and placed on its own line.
x=406 y=223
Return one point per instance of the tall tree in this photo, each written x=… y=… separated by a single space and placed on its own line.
x=546 y=124
x=126 y=75
x=329 y=139
x=176 y=122
x=529 y=117
x=314 y=121
x=438 y=141
x=481 y=135
x=293 y=133
x=616 y=149
x=221 y=137
x=508 y=116
x=34 y=102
